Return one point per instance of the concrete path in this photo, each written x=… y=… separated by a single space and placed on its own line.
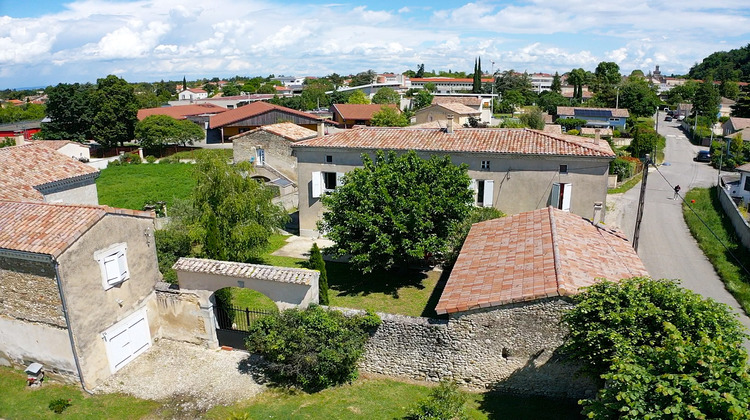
x=299 y=246
x=666 y=246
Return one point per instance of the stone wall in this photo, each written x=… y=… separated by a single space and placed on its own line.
x=511 y=349
x=31 y=295
x=180 y=317
x=278 y=152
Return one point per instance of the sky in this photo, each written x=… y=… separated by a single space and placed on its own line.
x=45 y=42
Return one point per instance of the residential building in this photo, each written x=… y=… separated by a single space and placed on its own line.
x=614 y=118
x=734 y=124
x=514 y=170
x=193 y=94
x=249 y=117
x=72 y=149
x=478 y=102
x=25 y=128
x=446 y=84
x=199 y=113
x=544 y=254
x=568 y=92
x=725 y=107
x=440 y=112
x=35 y=172
x=78 y=287
x=541 y=82
x=741 y=189
x=349 y=115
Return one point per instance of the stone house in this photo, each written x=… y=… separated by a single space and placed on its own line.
x=349 y=115
x=228 y=124
x=76 y=287
x=36 y=172
x=477 y=102
x=440 y=112
x=614 y=118
x=733 y=125
x=514 y=170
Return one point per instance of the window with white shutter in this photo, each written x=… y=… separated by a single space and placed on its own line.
x=113 y=264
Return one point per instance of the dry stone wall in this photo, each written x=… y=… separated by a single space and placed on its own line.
x=513 y=348
x=31 y=294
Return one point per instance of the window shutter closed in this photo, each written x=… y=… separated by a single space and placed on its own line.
x=112 y=269
x=339 y=179
x=567 y=191
x=122 y=263
x=317 y=181
x=488 y=192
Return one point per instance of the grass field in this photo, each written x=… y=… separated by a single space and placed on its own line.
x=17 y=401
x=376 y=398
x=132 y=186
x=626 y=185
x=193 y=154
x=708 y=207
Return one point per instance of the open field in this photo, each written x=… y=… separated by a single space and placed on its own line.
x=132 y=186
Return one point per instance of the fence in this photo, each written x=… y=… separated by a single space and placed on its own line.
x=239 y=319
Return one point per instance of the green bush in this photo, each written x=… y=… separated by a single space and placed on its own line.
x=623 y=167
x=317 y=263
x=311 y=349
x=171 y=244
x=166 y=161
x=570 y=123
x=572 y=132
x=446 y=402
x=59 y=405
x=150 y=159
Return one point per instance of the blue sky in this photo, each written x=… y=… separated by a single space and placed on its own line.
x=45 y=42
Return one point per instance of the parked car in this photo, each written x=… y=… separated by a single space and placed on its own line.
x=703 y=156
x=668 y=118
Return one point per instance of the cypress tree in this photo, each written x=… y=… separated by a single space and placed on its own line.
x=184 y=83
x=317 y=263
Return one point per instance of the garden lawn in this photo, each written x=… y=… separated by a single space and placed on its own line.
x=709 y=208
x=132 y=186
x=377 y=398
x=192 y=154
x=18 y=401
x=626 y=185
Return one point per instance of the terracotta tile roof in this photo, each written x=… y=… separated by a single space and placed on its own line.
x=181 y=111
x=196 y=90
x=533 y=255
x=430 y=124
x=358 y=111
x=464 y=100
x=45 y=228
x=454 y=107
x=248 y=271
x=287 y=130
x=25 y=167
x=252 y=110
x=57 y=144
x=744 y=168
x=571 y=110
x=511 y=141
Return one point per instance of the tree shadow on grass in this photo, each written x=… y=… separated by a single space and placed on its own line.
x=349 y=282
x=429 y=309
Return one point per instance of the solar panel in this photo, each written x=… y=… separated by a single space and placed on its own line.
x=598 y=113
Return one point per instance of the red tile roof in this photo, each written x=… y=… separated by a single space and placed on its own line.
x=247 y=271
x=182 y=111
x=513 y=141
x=196 y=90
x=358 y=111
x=252 y=110
x=287 y=130
x=464 y=100
x=45 y=228
x=570 y=110
x=533 y=255
x=57 y=144
x=32 y=165
x=454 y=107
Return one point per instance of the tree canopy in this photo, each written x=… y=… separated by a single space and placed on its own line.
x=724 y=65
x=25 y=112
x=389 y=116
x=422 y=99
x=386 y=95
x=742 y=108
x=396 y=210
x=660 y=352
x=157 y=131
x=358 y=97
x=115 y=111
x=363 y=78
x=70 y=109
x=639 y=98
x=707 y=100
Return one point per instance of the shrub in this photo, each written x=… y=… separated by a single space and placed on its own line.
x=317 y=263
x=166 y=160
x=116 y=162
x=312 y=349
x=59 y=405
x=150 y=159
x=572 y=132
x=570 y=123
x=446 y=402
x=171 y=244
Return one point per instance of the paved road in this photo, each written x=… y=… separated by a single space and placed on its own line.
x=665 y=245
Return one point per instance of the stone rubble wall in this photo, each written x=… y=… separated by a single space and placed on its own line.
x=512 y=349
x=31 y=295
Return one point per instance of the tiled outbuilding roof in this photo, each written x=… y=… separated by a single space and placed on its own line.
x=34 y=165
x=512 y=141
x=181 y=111
x=533 y=255
x=358 y=111
x=463 y=100
x=44 y=228
x=252 y=110
x=739 y=123
x=454 y=107
x=576 y=110
x=57 y=144
x=247 y=271
x=287 y=130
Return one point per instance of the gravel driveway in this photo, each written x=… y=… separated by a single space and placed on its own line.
x=188 y=377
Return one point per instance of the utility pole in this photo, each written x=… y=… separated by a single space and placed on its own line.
x=641 y=200
x=492 y=97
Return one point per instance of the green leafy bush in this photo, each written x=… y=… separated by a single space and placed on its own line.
x=316 y=262
x=660 y=351
x=171 y=244
x=150 y=158
x=446 y=402
x=314 y=348
x=59 y=405
x=166 y=161
x=570 y=123
x=572 y=132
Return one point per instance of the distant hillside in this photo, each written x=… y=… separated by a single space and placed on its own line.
x=724 y=65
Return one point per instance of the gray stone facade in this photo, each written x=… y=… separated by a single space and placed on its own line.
x=30 y=297
x=278 y=153
x=511 y=348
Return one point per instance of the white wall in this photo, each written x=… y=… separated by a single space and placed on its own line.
x=25 y=342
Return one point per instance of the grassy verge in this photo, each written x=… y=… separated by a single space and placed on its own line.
x=626 y=185
x=375 y=398
x=192 y=154
x=17 y=401
x=708 y=207
x=132 y=186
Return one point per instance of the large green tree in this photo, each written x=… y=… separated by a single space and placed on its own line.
x=422 y=99
x=70 y=110
x=556 y=85
x=684 y=93
x=115 y=111
x=742 y=108
x=386 y=95
x=577 y=78
x=389 y=116
x=25 y=112
x=396 y=210
x=363 y=78
x=233 y=213
x=659 y=352
x=550 y=100
x=157 y=131
x=358 y=97
x=707 y=100
x=639 y=98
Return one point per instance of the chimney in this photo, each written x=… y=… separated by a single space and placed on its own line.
x=597 y=136
x=449 y=124
x=321 y=132
x=20 y=141
x=598 y=206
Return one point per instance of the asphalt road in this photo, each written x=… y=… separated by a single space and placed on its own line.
x=665 y=244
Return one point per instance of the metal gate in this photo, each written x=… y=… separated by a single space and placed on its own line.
x=234 y=323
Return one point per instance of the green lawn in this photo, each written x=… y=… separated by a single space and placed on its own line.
x=131 y=186
x=192 y=154
x=17 y=401
x=626 y=185
x=375 y=398
x=709 y=208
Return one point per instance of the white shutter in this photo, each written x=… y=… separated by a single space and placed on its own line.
x=339 y=179
x=555 y=198
x=473 y=187
x=112 y=269
x=488 y=192
x=122 y=263
x=567 y=190
x=317 y=187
